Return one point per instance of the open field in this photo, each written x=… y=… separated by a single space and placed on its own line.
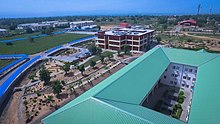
x=39 y=44
x=4 y=63
x=207 y=35
x=178 y=38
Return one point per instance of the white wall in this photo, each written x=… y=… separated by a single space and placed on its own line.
x=179 y=75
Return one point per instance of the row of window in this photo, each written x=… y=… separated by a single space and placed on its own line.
x=184 y=77
x=175 y=83
x=189 y=78
x=186 y=69
x=176 y=67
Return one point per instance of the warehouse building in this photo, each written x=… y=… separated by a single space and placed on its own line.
x=3 y=32
x=124 y=97
x=82 y=24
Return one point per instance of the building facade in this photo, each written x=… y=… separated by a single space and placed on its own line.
x=33 y=26
x=115 y=39
x=179 y=75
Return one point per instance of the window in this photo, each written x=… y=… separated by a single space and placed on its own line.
x=190 y=70
x=176 y=75
x=194 y=79
x=175 y=83
x=184 y=77
x=165 y=77
x=171 y=82
x=186 y=69
x=177 y=67
x=187 y=86
x=172 y=75
x=188 y=78
x=183 y=85
x=195 y=71
x=174 y=67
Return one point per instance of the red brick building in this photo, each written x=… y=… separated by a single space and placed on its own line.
x=137 y=39
x=188 y=23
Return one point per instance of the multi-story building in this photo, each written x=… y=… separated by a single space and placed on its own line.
x=82 y=24
x=115 y=39
x=3 y=32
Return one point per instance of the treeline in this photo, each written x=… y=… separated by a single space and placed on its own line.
x=11 y=23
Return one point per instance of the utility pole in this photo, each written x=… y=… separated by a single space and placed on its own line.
x=199 y=8
x=210 y=11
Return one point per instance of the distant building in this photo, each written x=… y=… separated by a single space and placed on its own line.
x=3 y=32
x=190 y=22
x=82 y=24
x=61 y=24
x=115 y=39
x=124 y=25
x=33 y=26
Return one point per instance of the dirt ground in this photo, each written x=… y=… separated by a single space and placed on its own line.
x=10 y=114
x=79 y=91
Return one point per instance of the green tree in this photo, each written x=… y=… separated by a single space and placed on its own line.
x=29 y=30
x=92 y=64
x=66 y=68
x=31 y=39
x=44 y=75
x=126 y=49
x=50 y=98
x=99 y=27
x=56 y=86
x=158 y=38
x=164 y=26
x=102 y=58
x=71 y=89
x=119 y=52
x=31 y=77
x=95 y=50
x=99 y=51
x=81 y=69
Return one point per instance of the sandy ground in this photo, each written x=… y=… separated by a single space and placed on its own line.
x=107 y=27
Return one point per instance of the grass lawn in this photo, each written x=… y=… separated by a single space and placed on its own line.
x=3 y=63
x=20 y=36
x=39 y=44
x=97 y=58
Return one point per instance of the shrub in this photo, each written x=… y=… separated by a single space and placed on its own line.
x=181 y=93
x=180 y=100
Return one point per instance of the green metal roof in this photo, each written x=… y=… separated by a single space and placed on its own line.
x=188 y=57
x=117 y=99
x=205 y=105
x=138 y=77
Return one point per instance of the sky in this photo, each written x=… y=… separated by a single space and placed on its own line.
x=42 y=8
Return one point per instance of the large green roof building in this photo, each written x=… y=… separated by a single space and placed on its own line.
x=117 y=99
